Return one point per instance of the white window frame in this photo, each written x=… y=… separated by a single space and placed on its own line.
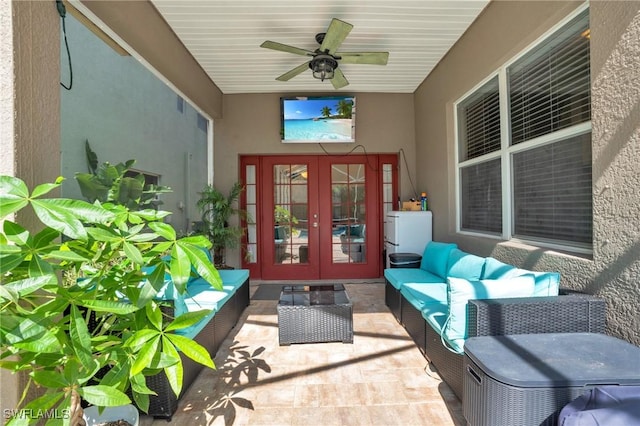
x=507 y=151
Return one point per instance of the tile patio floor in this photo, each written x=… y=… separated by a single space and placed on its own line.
x=380 y=379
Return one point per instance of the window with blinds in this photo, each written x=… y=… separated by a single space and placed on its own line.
x=546 y=182
x=552 y=191
x=479 y=122
x=481 y=194
x=549 y=88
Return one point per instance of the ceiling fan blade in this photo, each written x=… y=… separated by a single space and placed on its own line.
x=371 y=58
x=290 y=74
x=336 y=33
x=339 y=80
x=285 y=48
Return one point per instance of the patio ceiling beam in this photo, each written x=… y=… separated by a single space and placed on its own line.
x=95 y=29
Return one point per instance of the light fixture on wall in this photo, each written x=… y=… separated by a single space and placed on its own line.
x=323 y=67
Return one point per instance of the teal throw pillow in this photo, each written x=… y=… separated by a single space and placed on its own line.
x=465 y=265
x=546 y=283
x=435 y=258
x=460 y=291
x=494 y=269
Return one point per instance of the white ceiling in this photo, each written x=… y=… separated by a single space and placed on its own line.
x=225 y=36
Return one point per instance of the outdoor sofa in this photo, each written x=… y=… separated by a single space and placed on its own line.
x=353 y=242
x=455 y=295
x=226 y=307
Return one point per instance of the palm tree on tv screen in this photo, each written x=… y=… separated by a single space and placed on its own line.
x=345 y=108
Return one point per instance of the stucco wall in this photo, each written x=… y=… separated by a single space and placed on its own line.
x=503 y=30
x=126 y=112
x=29 y=112
x=615 y=68
x=251 y=125
x=7 y=166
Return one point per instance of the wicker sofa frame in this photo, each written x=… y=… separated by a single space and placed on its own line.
x=165 y=403
x=495 y=317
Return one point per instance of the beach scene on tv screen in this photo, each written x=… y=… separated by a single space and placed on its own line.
x=318 y=120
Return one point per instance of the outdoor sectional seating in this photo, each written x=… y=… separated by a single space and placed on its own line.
x=456 y=295
x=352 y=242
x=227 y=306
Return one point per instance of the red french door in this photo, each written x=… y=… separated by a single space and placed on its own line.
x=318 y=217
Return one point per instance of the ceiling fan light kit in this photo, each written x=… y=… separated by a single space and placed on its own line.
x=325 y=59
x=323 y=67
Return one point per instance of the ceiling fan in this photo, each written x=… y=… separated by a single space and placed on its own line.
x=325 y=59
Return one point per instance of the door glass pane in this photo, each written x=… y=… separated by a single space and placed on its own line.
x=252 y=216
x=290 y=215
x=349 y=216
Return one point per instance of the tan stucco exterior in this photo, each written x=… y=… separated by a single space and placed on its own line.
x=251 y=125
x=421 y=124
x=502 y=31
x=29 y=111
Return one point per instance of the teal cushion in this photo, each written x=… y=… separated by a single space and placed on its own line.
x=460 y=291
x=194 y=273
x=200 y=295
x=234 y=277
x=280 y=233
x=436 y=257
x=398 y=277
x=546 y=283
x=465 y=265
x=421 y=294
x=354 y=231
x=494 y=269
x=192 y=331
x=436 y=317
x=168 y=290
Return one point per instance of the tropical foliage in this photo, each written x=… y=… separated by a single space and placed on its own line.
x=217 y=209
x=117 y=184
x=81 y=299
x=345 y=108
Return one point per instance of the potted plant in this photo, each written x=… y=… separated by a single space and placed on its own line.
x=81 y=301
x=217 y=209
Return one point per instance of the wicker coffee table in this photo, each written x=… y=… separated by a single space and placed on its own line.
x=315 y=314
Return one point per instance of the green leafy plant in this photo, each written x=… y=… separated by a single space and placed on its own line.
x=282 y=216
x=111 y=183
x=217 y=209
x=80 y=299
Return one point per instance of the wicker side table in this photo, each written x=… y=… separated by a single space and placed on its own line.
x=315 y=314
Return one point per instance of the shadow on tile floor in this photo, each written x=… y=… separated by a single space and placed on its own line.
x=380 y=379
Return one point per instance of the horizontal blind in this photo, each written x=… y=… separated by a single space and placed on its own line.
x=481 y=197
x=550 y=87
x=552 y=191
x=479 y=122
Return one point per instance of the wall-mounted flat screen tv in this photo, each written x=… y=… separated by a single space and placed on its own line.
x=318 y=119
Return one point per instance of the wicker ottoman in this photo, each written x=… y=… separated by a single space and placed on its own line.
x=526 y=379
x=314 y=314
